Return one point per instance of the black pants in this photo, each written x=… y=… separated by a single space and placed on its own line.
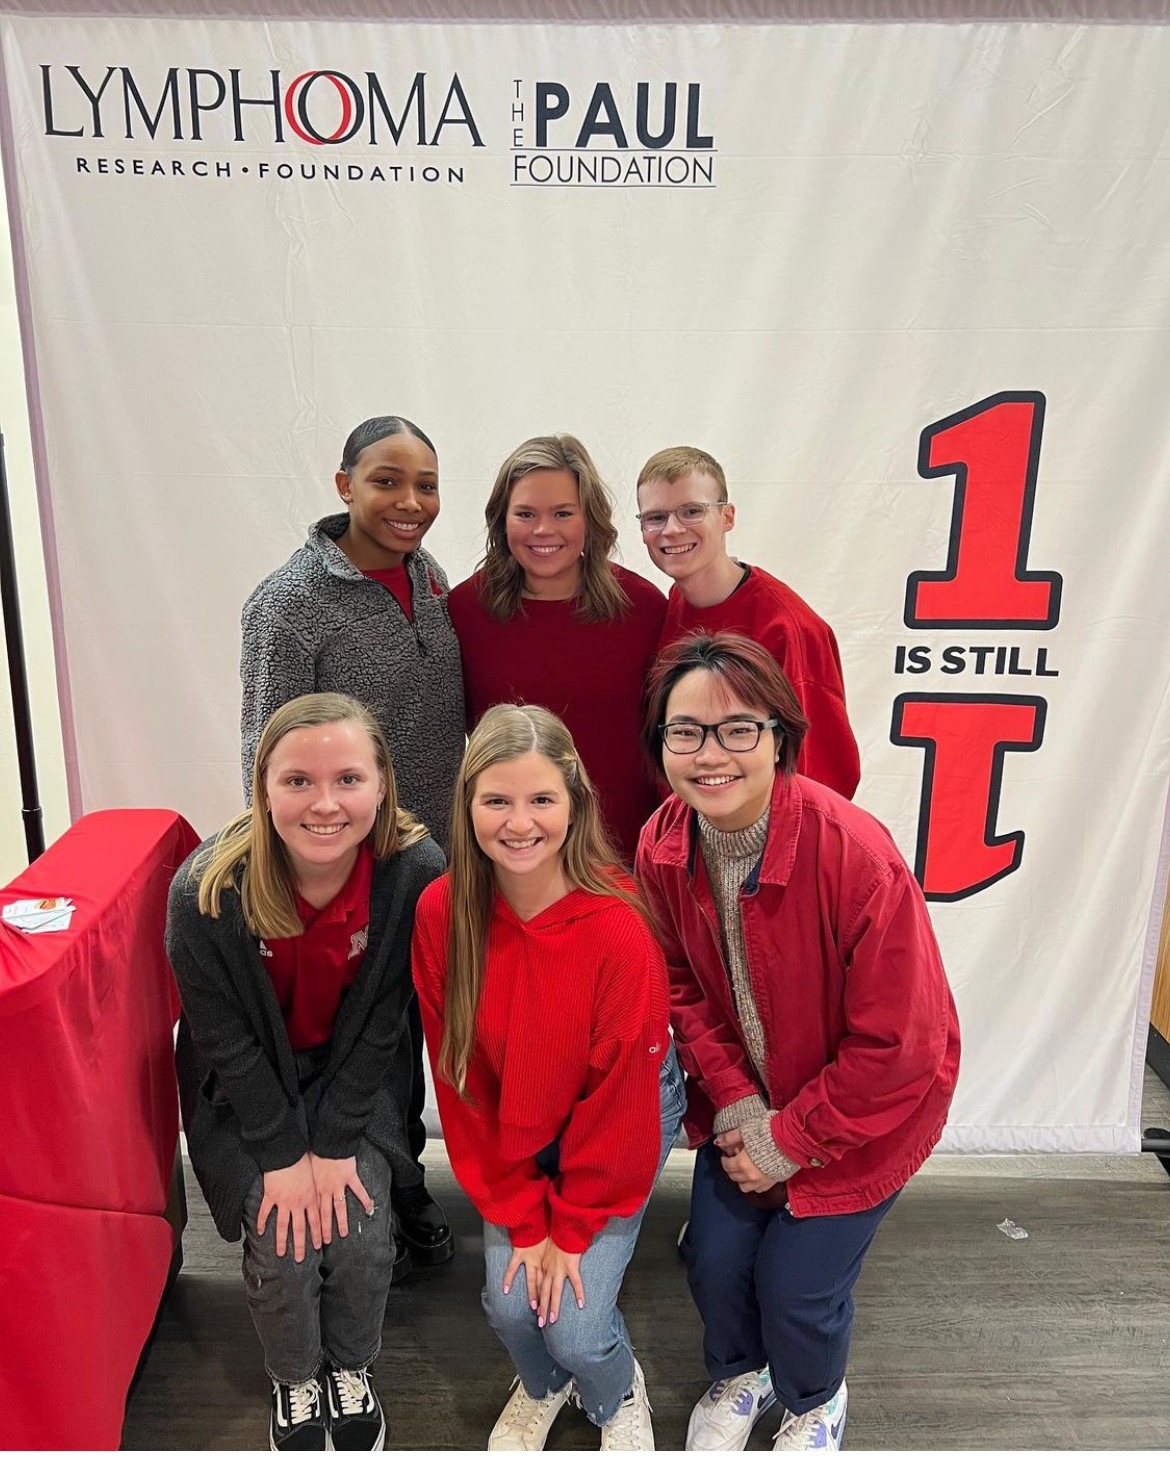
x=416 y=1130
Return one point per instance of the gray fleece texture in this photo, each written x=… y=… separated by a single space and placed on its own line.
x=318 y=625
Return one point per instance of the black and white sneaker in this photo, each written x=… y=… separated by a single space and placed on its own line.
x=357 y=1423
x=298 y=1420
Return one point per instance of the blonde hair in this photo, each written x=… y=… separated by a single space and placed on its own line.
x=249 y=856
x=601 y=597
x=675 y=462
x=588 y=860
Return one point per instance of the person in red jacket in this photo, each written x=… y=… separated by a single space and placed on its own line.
x=549 y=619
x=814 y=1020
x=685 y=516
x=545 y=1005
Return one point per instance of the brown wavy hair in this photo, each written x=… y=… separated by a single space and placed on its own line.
x=601 y=597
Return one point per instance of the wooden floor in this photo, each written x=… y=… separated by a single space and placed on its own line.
x=965 y=1339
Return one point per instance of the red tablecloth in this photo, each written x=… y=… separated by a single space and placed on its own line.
x=88 y=1129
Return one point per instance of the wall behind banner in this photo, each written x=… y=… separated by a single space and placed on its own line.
x=34 y=607
x=855 y=235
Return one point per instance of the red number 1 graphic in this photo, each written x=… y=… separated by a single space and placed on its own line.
x=966 y=736
x=993 y=451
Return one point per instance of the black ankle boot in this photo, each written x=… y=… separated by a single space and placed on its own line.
x=424 y=1227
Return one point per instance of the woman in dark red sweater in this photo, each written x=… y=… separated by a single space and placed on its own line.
x=549 y=619
x=544 y=1003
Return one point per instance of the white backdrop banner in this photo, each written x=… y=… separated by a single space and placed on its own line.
x=907 y=282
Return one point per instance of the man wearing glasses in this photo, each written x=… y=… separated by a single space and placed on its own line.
x=685 y=516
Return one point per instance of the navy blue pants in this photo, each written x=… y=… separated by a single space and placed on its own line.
x=774 y=1289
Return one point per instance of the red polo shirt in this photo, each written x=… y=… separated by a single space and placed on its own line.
x=311 y=972
x=396 y=581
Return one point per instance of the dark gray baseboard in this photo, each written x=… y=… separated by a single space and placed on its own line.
x=1158 y=1055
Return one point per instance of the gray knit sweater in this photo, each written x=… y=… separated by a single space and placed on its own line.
x=317 y=624
x=729 y=856
x=237 y=1075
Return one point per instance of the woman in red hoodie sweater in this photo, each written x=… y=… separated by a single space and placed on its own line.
x=544 y=1004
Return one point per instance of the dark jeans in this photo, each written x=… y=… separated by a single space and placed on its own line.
x=332 y=1303
x=773 y=1289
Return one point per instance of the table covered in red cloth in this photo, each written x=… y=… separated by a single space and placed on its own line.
x=88 y=1128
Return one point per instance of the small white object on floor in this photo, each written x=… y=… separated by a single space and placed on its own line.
x=1012 y=1230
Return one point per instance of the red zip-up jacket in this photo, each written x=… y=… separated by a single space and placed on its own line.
x=859 y=1024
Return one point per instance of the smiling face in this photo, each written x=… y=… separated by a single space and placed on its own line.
x=323 y=791
x=732 y=789
x=686 y=552
x=545 y=529
x=392 y=494
x=520 y=814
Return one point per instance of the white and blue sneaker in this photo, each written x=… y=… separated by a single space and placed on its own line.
x=821 y=1429
x=723 y=1418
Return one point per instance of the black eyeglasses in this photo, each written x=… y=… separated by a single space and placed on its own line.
x=737 y=736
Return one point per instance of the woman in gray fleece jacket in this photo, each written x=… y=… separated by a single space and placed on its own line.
x=361 y=609
x=289 y=934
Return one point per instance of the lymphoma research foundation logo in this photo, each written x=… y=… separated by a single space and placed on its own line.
x=395 y=128
x=401 y=126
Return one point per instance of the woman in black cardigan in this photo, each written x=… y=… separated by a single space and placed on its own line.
x=289 y=934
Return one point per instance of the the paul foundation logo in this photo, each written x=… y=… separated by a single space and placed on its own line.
x=647 y=135
x=992 y=449
x=419 y=114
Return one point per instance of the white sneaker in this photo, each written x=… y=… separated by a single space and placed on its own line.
x=822 y=1428
x=723 y=1418
x=523 y=1425
x=630 y=1429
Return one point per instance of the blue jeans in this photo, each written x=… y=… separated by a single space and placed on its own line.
x=773 y=1289
x=590 y=1346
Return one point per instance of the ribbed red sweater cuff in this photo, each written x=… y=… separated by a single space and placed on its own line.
x=573 y=1236
x=532 y=1232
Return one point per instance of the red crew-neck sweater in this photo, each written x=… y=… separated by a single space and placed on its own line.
x=592 y=675
x=767 y=610
x=570 y=1033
